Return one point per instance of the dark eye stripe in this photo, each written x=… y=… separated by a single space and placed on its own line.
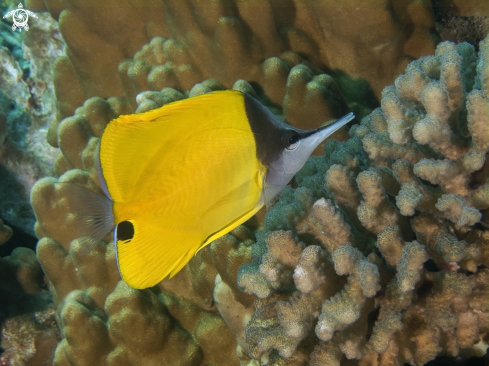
x=267 y=129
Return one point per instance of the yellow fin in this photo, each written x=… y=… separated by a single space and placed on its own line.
x=232 y=225
x=153 y=253
x=183 y=175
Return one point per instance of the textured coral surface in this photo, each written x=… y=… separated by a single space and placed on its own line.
x=377 y=256
x=380 y=256
x=133 y=46
x=27 y=109
x=29 y=333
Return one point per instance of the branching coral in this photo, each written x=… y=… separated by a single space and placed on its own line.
x=386 y=233
x=338 y=270
x=128 y=48
x=82 y=283
x=188 y=296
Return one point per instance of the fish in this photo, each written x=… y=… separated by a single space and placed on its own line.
x=180 y=176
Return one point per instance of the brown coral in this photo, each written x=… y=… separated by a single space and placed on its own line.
x=5 y=232
x=266 y=54
x=259 y=42
x=29 y=333
x=395 y=209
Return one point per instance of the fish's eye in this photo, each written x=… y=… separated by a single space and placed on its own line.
x=291 y=140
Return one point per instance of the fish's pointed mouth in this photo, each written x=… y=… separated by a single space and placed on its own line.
x=325 y=131
x=311 y=139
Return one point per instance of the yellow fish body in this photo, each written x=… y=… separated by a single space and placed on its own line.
x=181 y=176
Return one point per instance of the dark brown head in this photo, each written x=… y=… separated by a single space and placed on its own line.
x=282 y=148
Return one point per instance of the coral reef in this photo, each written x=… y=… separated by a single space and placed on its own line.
x=5 y=232
x=378 y=255
x=27 y=109
x=189 y=304
x=381 y=253
x=258 y=41
x=468 y=8
x=86 y=285
x=179 y=314
x=29 y=332
x=461 y=21
x=30 y=339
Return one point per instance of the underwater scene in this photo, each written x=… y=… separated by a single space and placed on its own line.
x=244 y=182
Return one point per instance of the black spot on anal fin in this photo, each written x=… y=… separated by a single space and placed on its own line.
x=125 y=231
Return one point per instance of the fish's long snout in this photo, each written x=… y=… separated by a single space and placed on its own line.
x=293 y=160
x=315 y=137
x=322 y=133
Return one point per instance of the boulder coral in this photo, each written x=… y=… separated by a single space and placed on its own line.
x=380 y=255
x=134 y=46
x=322 y=286
x=176 y=322
x=85 y=283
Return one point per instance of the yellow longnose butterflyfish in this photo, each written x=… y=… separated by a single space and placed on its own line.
x=180 y=176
